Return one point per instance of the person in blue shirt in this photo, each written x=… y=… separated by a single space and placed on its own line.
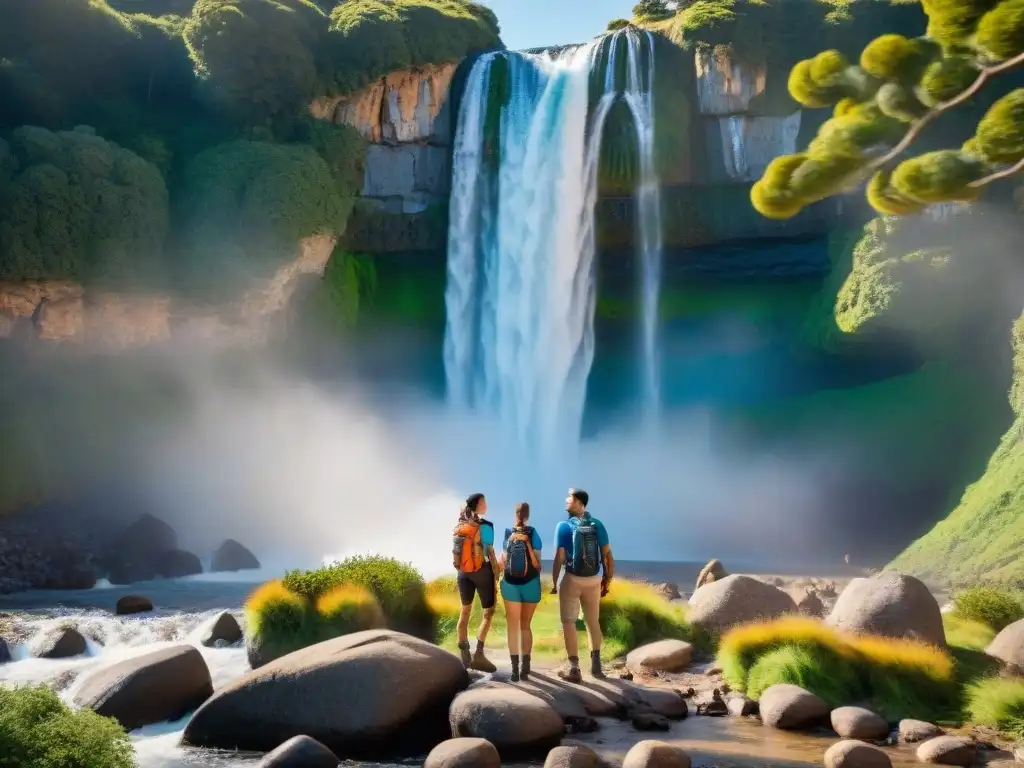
x=520 y=587
x=481 y=580
x=583 y=547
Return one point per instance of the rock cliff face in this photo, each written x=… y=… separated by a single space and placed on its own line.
x=741 y=146
x=66 y=312
x=406 y=117
x=726 y=86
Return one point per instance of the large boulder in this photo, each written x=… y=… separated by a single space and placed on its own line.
x=947 y=750
x=737 y=600
x=573 y=756
x=232 y=556
x=222 y=629
x=660 y=656
x=810 y=605
x=59 y=644
x=463 y=753
x=655 y=754
x=367 y=694
x=712 y=572
x=851 y=753
x=300 y=752
x=790 y=707
x=177 y=563
x=150 y=688
x=564 y=702
x=517 y=723
x=130 y=604
x=890 y=604
x=859 y=723
x=1008 y=645
x=67 y=567
x=134 y=554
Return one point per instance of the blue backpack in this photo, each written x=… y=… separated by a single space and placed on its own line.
x=586 y=553
x=518 y=563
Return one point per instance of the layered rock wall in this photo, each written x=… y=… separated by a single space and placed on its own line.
x=59 y=311
x=406 y=117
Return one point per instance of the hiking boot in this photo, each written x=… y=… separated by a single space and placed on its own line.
x=525 y=672
x=480 y=662
x=571 y=673
x=515 y=670
x=467 y=659
x=595 y=664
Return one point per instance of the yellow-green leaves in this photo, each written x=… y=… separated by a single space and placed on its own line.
x=1001 y=30
x=1000 y=137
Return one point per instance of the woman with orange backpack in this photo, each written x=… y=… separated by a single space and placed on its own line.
x=473 y=557
x=520 y=587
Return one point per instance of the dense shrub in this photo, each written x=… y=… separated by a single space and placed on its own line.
x=397 y=586
x=902 y=678
x=75 y=206
x=369 y=38
x=248 y=205
x=996 y=608
x=280 y=621
x=37 y=730
x=998 y=703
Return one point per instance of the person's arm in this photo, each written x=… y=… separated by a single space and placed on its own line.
x=534 y=543
x=556 y=569
x=559 y=560
x=606 y=555
x=487 y=539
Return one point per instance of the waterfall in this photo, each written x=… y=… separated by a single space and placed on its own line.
x=521 y=295
x=639 y=95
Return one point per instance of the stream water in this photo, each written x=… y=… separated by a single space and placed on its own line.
x=185 y=604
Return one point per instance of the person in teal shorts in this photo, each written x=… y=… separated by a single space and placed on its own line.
x=520 y=588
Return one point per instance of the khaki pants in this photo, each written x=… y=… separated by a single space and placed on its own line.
x=585 y=591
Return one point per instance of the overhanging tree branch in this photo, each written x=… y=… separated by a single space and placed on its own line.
x=1005 y=173
x=916 y=128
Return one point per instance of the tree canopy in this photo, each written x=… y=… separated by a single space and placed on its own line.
x=884 y=104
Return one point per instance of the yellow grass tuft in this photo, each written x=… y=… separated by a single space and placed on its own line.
x=905 y=655
x=761 y=636
x=348 y=597
x=270 y=599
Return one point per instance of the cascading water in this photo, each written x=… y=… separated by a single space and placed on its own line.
x=521 y=290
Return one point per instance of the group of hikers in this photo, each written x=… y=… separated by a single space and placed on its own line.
x=581 y=547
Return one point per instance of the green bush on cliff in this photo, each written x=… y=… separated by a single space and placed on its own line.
x=257 y=57
x=247 y=204
x=38 y=730
x=75 y=206
x=369 y=38
x=885 y=102
x=998 y=703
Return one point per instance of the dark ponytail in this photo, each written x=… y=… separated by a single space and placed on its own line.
x=468 y=511
x=522 y=514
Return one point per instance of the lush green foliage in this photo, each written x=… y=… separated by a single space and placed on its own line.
x=38 y=730
x=967 y=633
x=616 y=24
x=653 y=10
x=901 y=678
x=900 y=87
x=998 y=703
x=249 y=202
x=73 y=205
x=398 y=586
x=983 y=538
x=996 y=608
x=280 y=621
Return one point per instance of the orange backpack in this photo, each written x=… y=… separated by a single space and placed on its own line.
x=467 y=547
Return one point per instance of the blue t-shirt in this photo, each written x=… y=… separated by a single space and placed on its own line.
x=564 y=532
x=486 y=537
